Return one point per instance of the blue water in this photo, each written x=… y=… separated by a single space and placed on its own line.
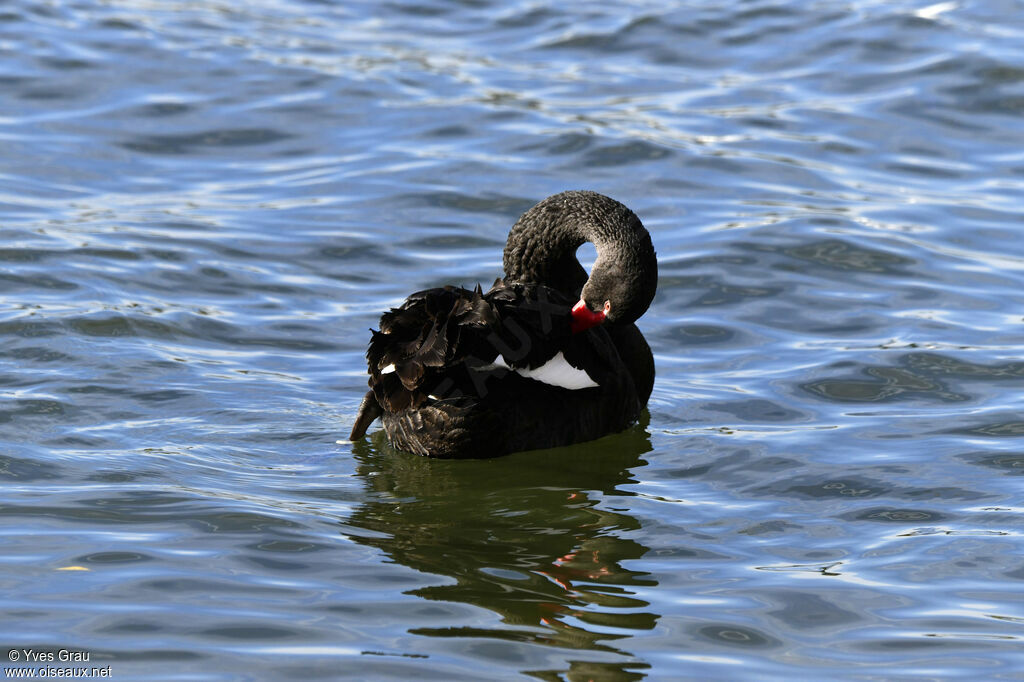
x=204 y=206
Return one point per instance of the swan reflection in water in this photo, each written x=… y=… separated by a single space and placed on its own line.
x=530 y=536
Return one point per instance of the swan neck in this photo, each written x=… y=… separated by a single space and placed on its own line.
x=542 y=245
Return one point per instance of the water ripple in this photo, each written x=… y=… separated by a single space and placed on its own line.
x=206 y=205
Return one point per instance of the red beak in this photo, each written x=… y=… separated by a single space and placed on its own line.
x=583 y=318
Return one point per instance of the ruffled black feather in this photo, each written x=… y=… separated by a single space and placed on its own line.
x=439 y=338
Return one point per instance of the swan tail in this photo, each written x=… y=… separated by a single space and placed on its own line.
x=369 y=410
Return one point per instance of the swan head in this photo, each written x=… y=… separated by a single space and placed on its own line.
x=624 y=277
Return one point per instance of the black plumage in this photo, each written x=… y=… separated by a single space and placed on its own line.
x=445 y=367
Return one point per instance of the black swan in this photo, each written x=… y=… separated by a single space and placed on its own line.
x=547 y=357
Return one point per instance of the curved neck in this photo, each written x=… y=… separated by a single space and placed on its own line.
x=542 y=245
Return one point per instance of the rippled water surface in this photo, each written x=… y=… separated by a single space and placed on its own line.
x=205 y=205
